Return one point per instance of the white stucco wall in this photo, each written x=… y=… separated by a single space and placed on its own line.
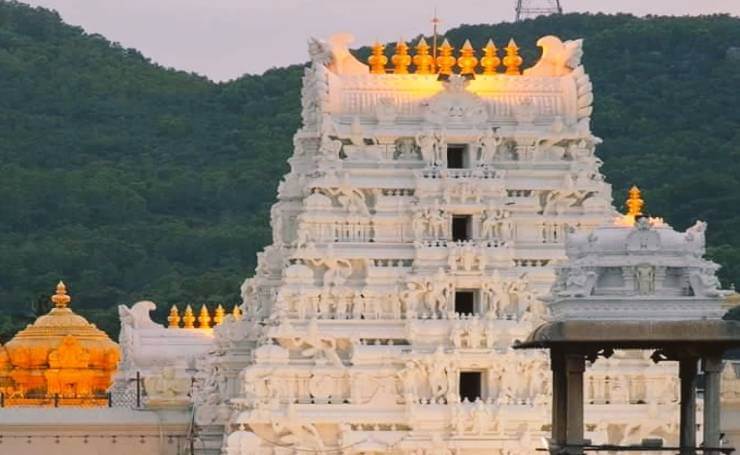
x=108 y=431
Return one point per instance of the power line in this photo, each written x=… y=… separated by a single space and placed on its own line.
x=527 y=9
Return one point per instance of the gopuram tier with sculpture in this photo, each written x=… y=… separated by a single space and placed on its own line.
x=416 y=238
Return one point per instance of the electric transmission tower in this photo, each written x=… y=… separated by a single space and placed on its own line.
x=526 y=9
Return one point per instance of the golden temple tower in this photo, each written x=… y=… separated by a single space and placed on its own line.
x=60 y=355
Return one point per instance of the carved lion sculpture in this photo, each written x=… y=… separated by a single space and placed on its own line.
x=558 y=58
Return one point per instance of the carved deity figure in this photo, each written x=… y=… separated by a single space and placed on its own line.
x=440 y=149
x=166 y=387
x=409 y=378
x=438 y=222
x=350 y=198
x=488 y=144
x=438 y=293
x=705 y=283
x=411 y=298
x=337 y=269
x=317 y=346
x=645 y=279
x=427 y=144
x=291 y=430
x=579 y=282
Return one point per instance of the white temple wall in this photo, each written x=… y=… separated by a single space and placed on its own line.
x=94 y=431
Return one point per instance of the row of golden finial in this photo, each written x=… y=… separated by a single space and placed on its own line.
x=204 y=319
x=445 y=62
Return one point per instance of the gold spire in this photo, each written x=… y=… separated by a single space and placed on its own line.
x=401 y=59
x=377 y=60
x=237 y=312
x=467 y=61
x=512 y=61
x=173 y=320
x=188 y=319
x=204 y=319
x=60 y=299
x=490 y=60
x=634 y=203
x=218 y=315
x=422 y=60
x=446 y=60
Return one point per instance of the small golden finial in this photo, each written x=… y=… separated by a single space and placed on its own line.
x=634 y=203
x=188 y=319
x=467 y=61
x=218 y=315
x=60 y=299
x=422 y=60
x=173 y=320
x=204 y=319
x=237 y=312
x=445 y=60
x=512 y=61
x=401 y=59
x=377 y=59
x=490 y=60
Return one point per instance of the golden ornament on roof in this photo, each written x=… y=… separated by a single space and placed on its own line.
x=490 y=61
x=237 y=312
x=401 y=59
x=218 y=315
x=377 y=59
x=60 y=297
x=513 y=61
x=467 y=62
x=445 y=60
x=422 y=60
x=173 y=320
x=634 y=203
x=188 y=319
x=204 y=319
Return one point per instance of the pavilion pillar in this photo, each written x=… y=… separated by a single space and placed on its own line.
x=712 y=368
x=559 y=400
x=575 y=365
x=687 y=374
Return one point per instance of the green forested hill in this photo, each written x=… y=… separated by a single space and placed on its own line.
x=131 y=181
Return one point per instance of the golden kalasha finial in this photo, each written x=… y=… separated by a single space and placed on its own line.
x=467 y=61
x=422 y=60
x=188 y=319
x=401 y=59
x=445 y=60
x=490 y=61
x=60 y=299
x=173 y=320
x=634 y=203
x=204 y=319
x=237 y=312
x=512 y=61
x=218 y=315
x=377 y=59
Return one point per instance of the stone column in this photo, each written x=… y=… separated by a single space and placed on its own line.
x=712 y=367
x=687 y=374
x=575 y=365
x=559 y=397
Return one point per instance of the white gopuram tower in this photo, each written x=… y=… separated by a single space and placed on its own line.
x=420 y=223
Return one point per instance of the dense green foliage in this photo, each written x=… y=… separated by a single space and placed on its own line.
x=132 y=181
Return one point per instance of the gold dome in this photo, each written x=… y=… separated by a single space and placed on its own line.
x=62 y=353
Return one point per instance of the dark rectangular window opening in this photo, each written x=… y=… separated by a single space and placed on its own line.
x=461 y=226
x=456 y=156
x=470 y=386
x=464 y=302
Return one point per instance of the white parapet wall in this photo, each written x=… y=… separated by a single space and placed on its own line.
x=93 y=431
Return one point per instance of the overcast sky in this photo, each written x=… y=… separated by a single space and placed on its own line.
x=223 y=39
